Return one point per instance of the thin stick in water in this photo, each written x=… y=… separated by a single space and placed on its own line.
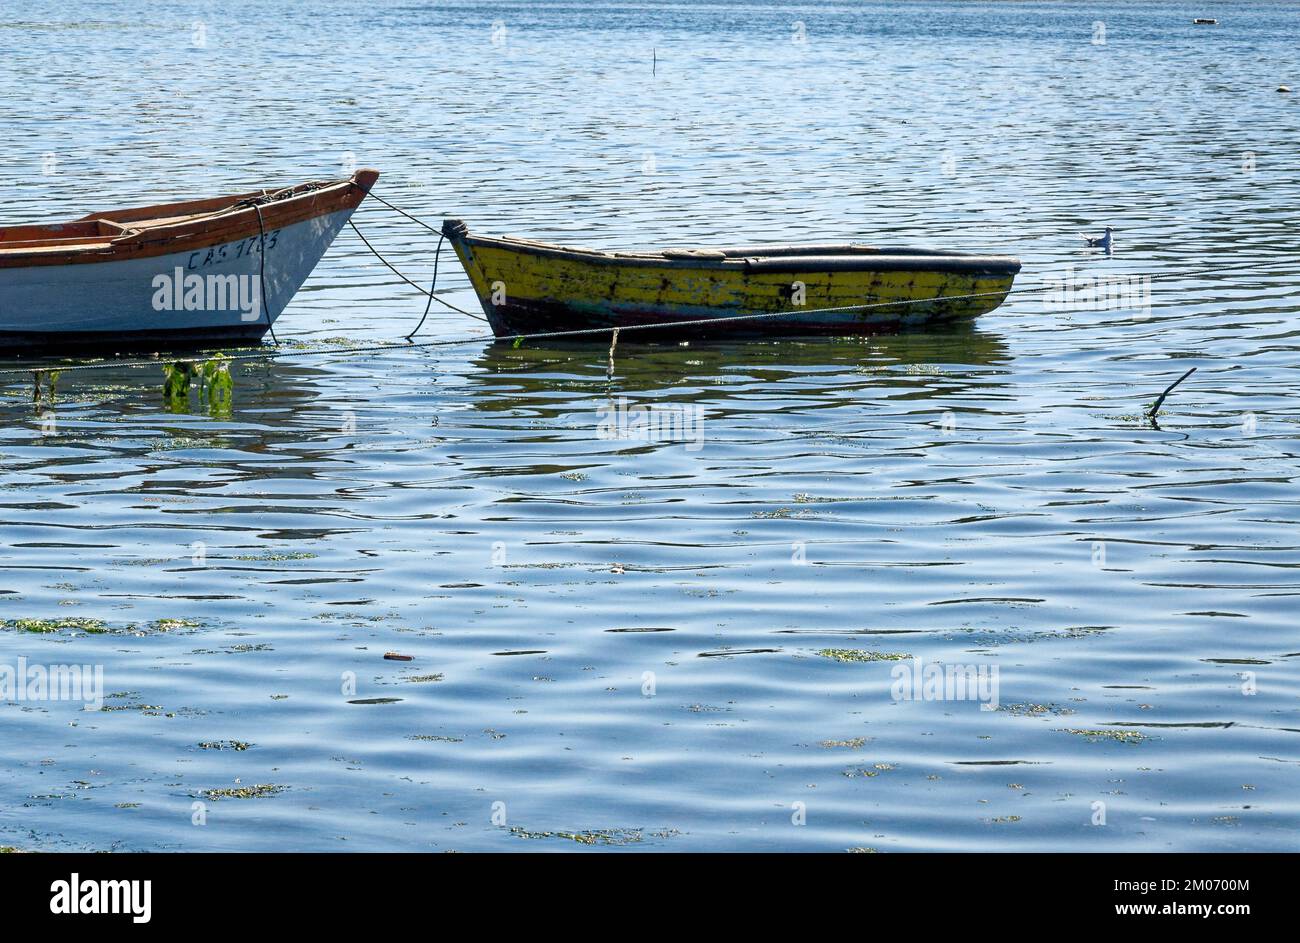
x=1155 y=407
x=613 y=342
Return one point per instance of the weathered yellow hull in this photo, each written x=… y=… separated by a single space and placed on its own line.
x=529 y=287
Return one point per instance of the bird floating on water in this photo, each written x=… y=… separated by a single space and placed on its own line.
x=1098 y=242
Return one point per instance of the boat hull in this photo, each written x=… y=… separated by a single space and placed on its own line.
x=529 y=288
x=135 y=294
x=122 y=304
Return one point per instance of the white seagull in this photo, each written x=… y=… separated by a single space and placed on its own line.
x=1098 y=242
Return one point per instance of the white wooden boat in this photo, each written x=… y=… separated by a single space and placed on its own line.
x=177 y=275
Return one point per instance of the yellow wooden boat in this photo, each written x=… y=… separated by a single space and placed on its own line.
x=528 y=287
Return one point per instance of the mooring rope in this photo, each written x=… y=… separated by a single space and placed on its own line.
x=432 y=297
x=397 y=209
x=261 y=271
x=437 y=254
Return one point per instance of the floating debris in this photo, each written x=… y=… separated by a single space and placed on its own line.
x=271 y=556
x=223 y=745
x=215 y=385
x=97 y=626
x=243 y=792
x=1036 y=710
x=596 y=836
x=861 y=771
x=852 y=744
x=394 y=656
x=153 y=710
x=170 y=625
x=45 y=626
x=860 y=654
x=1119 y=736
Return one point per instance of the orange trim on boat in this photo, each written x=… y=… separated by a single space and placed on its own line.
x=142 y=232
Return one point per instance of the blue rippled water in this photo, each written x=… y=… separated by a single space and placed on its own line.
x=644 y=644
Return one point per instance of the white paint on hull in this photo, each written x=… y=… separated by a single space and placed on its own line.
x=117 y=298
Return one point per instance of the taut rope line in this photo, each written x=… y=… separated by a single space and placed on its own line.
x=547 y=335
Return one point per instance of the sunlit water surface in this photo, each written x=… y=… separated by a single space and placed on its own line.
x=617 y=640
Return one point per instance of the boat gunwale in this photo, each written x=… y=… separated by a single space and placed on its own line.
x=850 y=257
x=225 y=222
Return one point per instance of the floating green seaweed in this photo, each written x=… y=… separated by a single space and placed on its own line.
x=176 y=385
x=211 y=380
x=168 y=625
x=218 y=386
x=92 y=626
x=1119 y=736
x=1035 y=710
x=271 y=556
x=861 y=654
x=243 y=792
x=596 y=836
x=37 y=377
x=151 y=710
x=856 y=772
x=96 y=626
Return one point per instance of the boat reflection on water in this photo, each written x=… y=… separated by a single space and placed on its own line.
x=811 y=372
